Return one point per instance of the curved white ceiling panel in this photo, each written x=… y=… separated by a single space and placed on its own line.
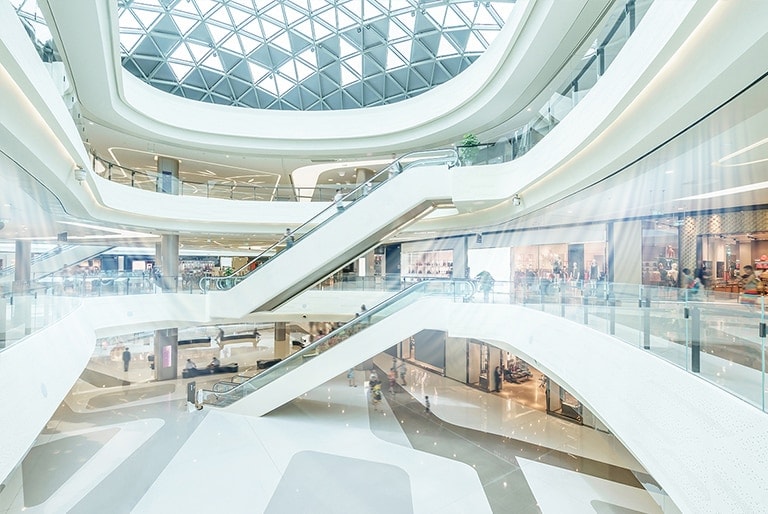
x=532 y=47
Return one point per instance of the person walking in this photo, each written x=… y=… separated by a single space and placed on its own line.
x=351 y=377
x=497 y=379
x=126 y=358
x=392 y=376
x=401 y=370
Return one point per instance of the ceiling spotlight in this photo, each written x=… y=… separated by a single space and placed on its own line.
x=516 y=200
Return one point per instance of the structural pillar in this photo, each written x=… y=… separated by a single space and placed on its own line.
x=282 y=344
x=22 y=267
x=363 y=175
x=167 y=176
x=22 y=300
x=166 y=354
x=167 y=258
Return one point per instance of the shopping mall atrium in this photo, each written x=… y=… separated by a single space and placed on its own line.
x=414 y=256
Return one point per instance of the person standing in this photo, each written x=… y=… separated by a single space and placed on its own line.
x=426 y=405
x=351 y=377
x=485 y=281
x=497 y=378
x=288 y=238
x=337 y=200
x=750 y=286
x=126 y=358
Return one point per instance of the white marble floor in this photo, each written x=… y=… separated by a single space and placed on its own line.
x=313 y=449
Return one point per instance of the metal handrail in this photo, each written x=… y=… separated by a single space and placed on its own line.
x=459 y=289
x=448 y=156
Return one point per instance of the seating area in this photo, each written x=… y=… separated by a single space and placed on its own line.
x=197 y=372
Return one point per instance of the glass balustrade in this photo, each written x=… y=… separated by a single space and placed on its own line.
x=569 y=87
x=458 y=290
x=719 y=337
x=23 y=314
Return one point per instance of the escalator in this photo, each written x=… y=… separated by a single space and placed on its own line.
x=362 y=338
x=400 y=194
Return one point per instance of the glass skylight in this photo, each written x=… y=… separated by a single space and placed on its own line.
x=299 y=54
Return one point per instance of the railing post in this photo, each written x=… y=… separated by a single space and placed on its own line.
x=695 y=339
x=762 y=361
x=646 y=306
x=610 y=301
x=562 y=303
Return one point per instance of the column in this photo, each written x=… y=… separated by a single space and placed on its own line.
x=22 y=300
x=22 y=267
x=167 y=176
x=167 y=256
x=166 y=354
x=167 y=259
x=363 y=175
x=282 y=344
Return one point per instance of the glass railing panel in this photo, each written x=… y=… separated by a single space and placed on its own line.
x=580 y=74
x=728 y=333
x=24 y=314
x=457 y=290
x=716 y=336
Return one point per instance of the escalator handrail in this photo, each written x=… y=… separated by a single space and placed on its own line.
x=450 y=157
x=363 y=319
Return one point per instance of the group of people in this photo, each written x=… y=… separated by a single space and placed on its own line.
x=215 y=363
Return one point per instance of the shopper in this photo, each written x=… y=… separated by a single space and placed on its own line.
x=288 y=238
x=750 y=286
x=126 y=358
x=351 y=377
x=190 y=364
x=485 y=282
x=426 y=405
x=497 y=378
x=689 y=284
x=337 y=200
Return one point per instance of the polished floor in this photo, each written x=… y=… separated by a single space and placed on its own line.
x=121 y=444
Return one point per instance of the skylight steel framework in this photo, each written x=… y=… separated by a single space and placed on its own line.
x=304 y=54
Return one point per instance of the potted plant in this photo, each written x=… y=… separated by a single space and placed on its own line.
x=468 y=148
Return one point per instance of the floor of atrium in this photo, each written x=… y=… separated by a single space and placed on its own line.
x=122 y=443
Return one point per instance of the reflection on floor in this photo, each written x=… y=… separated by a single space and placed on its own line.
x=139 y=448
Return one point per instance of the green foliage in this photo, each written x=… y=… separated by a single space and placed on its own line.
x=469 y=149
x=470 y=140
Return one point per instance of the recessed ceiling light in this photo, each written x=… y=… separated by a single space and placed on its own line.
x=669 y=172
